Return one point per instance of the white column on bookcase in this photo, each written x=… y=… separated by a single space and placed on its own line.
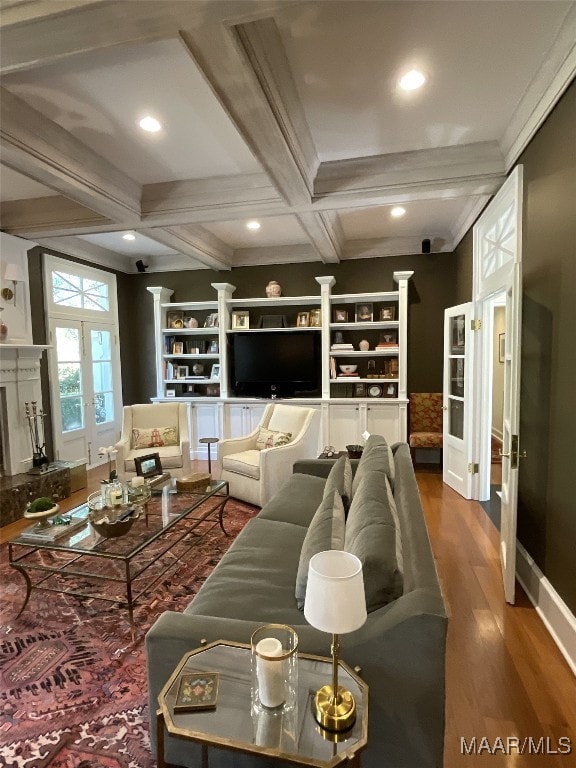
x=225 y=291
x=325 y=282
x=161 y=296
x=402 y=279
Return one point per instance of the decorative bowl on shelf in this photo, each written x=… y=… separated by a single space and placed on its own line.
x=42 y=516
x=348 y=368
x=112 y=521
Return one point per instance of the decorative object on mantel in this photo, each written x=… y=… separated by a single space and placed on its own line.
x=273 y=290
x=35 y=417
x=3 y=328
x=364 y=345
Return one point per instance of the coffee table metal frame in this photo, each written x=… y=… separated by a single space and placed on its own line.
x=316 y=747
x=22 y=553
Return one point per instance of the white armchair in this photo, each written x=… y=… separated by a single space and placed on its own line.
x=154 y=428
x=255 y=473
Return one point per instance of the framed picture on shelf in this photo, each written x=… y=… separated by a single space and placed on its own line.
x=148 y=466
x=340 y=316
x=303 y=320
x=364 y=313
x=170 y=393
x=178 y=348
x=215 y=372
x=212 y=390
x=359 y=389
x=212 y=347
x=182 y=371
x=388 y=313
x=315 y=318
x=212 y=320
x=175 y=319
x=240 y=319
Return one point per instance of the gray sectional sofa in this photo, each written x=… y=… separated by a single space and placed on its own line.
x=400 y=649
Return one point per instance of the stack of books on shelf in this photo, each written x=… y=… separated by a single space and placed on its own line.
x=342 y=348
x=387 y=345
x=55 y=531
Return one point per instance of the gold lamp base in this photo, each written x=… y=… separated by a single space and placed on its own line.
x=335 y=713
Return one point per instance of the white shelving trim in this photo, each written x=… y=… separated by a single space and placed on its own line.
x=392 y=352
x=367 y=326
x=282 y=301
x=362 y=298
x=190 y=305
x=269 y=330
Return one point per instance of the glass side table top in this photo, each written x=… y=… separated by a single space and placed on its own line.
x=293 y=735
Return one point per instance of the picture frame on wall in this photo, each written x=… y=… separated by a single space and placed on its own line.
x=240 y=320
x=364 y=312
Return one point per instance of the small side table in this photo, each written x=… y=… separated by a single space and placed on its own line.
x=209 y=441
x=292 y=737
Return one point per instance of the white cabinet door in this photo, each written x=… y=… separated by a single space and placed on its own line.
x=205 y=423
x=254 y=415
x=241 y=419
x=344 y=425
x=383 y=419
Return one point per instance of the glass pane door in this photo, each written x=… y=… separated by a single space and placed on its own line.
x=70 y=380
x=101 y=349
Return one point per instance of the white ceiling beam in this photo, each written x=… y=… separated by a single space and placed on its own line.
x=196 y=243
x=325 y=234
x=82 y=249
x=42 y=150
x=35 y=38
x=276 y=254
x=24 y=11
x=50 y=216
x=394 y=246
x=253 y=102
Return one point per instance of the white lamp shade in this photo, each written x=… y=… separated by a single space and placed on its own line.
x=14 y=272
x=335 y=599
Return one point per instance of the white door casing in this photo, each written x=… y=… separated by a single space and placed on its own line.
x=497 y=268
x=457 y=435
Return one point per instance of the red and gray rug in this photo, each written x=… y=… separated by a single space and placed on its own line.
x=73 y=691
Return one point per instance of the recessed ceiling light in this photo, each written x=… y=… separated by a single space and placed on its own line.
x=253 y=225
x=412 y=80
x=128 y=236
x=150 y=124
x=397 y=211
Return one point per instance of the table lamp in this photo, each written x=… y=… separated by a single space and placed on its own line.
x=335 y=602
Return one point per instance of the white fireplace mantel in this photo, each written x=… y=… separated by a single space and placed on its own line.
x=19 y=384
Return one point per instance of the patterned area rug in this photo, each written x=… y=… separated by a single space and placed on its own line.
x=73 y=691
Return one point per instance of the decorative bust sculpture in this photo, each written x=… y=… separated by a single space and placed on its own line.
x=273 y=289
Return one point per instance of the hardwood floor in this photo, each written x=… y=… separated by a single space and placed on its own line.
x=505 y=676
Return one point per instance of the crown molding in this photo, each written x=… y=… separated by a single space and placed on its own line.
x=468 y=217
x=278 y=254
x=82 y=249
x=50 y=216
x=375 y=248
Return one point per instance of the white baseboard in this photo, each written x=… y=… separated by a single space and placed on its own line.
x=553 y=611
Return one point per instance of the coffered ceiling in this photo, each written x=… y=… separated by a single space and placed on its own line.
x=288 y=113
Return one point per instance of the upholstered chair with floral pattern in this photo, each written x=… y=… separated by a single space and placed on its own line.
x=426 y=417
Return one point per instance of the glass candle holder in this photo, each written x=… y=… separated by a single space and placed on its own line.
x=274 y=668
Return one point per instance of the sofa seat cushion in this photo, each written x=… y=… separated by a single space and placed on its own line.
x=426 y=440
x=259 y=571
x=244 y=463
x=296 y=502
x=371 y=536
x=170 y=457
x=326 y=531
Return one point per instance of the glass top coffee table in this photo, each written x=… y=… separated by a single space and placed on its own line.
x=83 y=563
x=292 y=737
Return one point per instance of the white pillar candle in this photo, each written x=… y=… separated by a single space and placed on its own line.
x=271 y=685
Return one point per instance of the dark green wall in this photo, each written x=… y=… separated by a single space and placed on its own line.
x=547 y=489
x=431 y=290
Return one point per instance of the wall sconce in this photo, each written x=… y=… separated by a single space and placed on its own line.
x=14 y=273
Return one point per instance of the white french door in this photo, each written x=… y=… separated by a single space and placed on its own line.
x=457 y=466
x=497 y=268
x=84 y=360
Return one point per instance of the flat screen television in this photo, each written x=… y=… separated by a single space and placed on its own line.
x=275 y=363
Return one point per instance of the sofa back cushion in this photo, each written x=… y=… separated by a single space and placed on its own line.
x=288 y=418
x=326 y=531
x=376 y=456
x=371 y=536
x=340 y=479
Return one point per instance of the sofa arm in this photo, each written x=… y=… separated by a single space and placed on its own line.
x=237 y=444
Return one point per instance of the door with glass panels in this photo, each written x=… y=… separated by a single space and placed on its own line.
x=86 y=409
x=84 y=359
x=457 y=432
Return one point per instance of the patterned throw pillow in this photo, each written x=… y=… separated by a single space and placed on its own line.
x=156 y=437
x=268 y=438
